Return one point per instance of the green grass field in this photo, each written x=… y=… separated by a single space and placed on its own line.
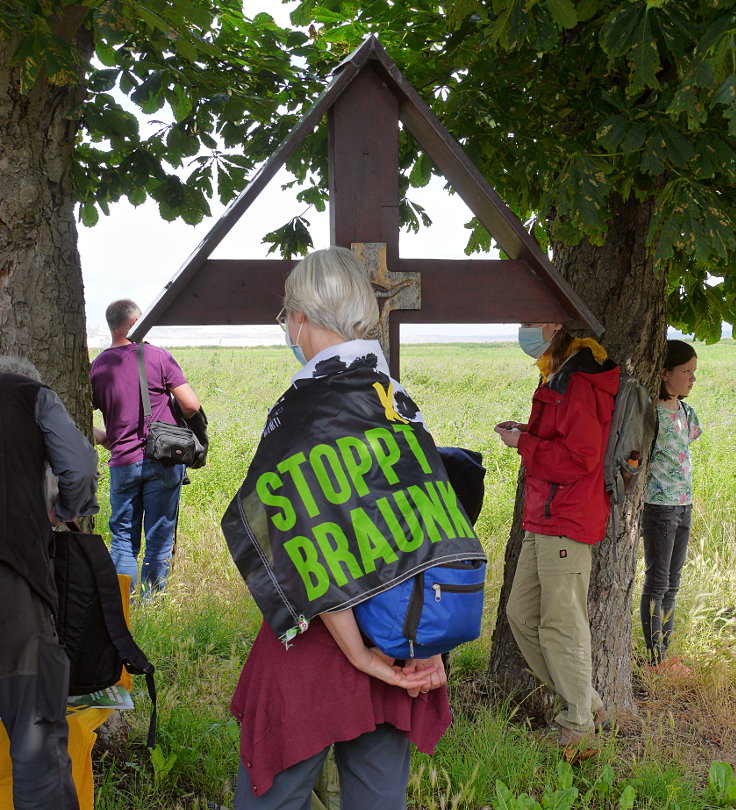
x=199 y=634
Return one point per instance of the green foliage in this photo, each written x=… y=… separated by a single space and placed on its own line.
x=411 y=214
x=560 y=798
x=39 y=48
x=217 y=80
x=602 y=786
x=292 y=239
x=479 y=239
x=722 y=784
x=566 y=106
x=162 y=764
x=518 y=772
x=422 y=172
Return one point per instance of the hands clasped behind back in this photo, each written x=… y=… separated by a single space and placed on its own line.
x=417 y=675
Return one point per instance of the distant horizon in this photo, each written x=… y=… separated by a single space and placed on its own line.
x=266 y=335
x=182 y=336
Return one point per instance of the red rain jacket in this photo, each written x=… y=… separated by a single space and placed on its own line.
x=562 y=450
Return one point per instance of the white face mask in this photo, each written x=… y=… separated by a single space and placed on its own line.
x=532 y=342
x=295 y=347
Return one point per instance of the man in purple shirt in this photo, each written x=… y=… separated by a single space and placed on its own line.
x=143 y=493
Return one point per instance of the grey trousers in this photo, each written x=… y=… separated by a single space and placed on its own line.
x=34 y=674
x=548 y=614
x=373 y=768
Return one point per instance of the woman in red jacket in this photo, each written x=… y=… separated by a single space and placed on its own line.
x=566 y=510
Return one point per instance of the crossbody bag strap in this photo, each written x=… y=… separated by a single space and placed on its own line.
x=142 y=379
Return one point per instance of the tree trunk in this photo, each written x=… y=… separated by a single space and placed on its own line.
x=41 y=292
x=618 y=283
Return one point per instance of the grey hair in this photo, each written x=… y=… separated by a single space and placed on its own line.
x=9 y=364
x=331 y=287
x=119 y=314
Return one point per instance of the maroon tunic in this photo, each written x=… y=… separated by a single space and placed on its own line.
x=294 y=703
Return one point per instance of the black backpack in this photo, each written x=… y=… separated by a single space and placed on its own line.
x=90 y=621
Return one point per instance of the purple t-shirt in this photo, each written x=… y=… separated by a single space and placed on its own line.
x=116 y=392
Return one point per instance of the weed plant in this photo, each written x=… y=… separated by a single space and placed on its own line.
x=199 y=633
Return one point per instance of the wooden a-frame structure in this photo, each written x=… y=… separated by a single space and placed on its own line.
x=365 y=101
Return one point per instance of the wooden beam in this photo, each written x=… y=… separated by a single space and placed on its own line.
x=237 y=291
x=230 y=292
x=363 y=162
x=364 y=208
x=480 y=291
x=504 y=226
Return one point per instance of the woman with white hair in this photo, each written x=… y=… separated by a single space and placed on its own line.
x=315 y=526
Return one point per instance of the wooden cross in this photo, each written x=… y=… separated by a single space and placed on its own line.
x=364 y=104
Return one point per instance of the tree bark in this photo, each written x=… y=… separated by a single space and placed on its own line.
x=42 y=314
x=618 y=283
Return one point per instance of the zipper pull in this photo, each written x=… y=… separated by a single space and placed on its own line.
x=437 y=588
x=411 y=649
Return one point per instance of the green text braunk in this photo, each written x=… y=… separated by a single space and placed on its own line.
x=401 y=522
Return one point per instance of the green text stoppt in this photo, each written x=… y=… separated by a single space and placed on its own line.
x=336 y=473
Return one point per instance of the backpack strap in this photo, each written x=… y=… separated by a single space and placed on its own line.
x=687 y=410
x=134 y=659
x=688 y=416
x=143 y=382
x=615 y=519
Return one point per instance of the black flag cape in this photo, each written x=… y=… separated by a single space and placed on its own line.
x=346 y=496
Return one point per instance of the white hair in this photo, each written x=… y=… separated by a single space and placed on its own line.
x=331 y=287
x=9 y=364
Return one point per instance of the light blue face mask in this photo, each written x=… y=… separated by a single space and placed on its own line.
x=531 y=341
x=295 y=347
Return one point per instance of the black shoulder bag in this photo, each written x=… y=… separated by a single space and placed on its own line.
x=171 y=444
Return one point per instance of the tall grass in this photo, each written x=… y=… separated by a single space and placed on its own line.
x=198 y=635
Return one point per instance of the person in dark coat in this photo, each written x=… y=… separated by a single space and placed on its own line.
x=36 y=434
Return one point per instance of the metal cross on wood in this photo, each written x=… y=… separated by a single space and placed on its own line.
x=365 y=102
x=394 y=291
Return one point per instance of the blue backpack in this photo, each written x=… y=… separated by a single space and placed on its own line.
x=440 y=608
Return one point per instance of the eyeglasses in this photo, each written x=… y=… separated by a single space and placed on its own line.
x=282 y=319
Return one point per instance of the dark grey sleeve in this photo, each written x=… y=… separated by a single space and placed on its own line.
x=70 y=455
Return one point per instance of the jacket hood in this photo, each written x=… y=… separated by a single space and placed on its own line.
x=603 y=375
x=599 y=353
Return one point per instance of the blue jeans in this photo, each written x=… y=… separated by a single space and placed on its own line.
x=144 y=494
x=666 y=531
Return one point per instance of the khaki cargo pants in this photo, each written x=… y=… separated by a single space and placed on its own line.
x=548 y=614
